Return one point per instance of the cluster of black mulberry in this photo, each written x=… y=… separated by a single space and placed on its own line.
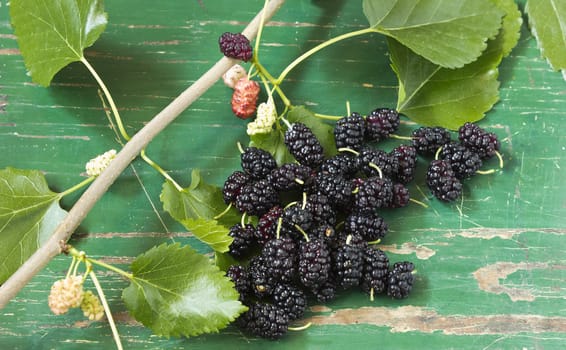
x=454 y=160
x=317 y=221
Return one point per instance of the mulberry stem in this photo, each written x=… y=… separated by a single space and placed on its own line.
x=160 y=170
x=301 y=328
x=327 y=117
x=77 y=186
x=374 y=166
x=418 y=202
x=319 y=47
x=228 y=207
x=107 y=311
x=346 y=149
x=400 y=137
x=106 y=92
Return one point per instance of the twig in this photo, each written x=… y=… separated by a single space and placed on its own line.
x=131 y=150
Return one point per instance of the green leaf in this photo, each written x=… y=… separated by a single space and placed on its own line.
x=177 y=292
x=432 y=95
x=547 y=19
x=510 y=32
x=196 y=207
x=274 y=143
x=210 y=232
x=449 y=33
x=29 y=212
x=51 y=34
x=435 y=96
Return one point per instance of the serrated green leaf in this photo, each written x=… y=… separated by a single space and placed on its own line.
x=177 y=292
x=511 y=26
x=29 y=212
x=547 y=19
x=432 y=95
x=435 y=96
x=51 y=34
x=449 y=33
x=210 y=232
x=196 y=208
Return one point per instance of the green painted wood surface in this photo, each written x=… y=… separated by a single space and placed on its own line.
x=491 y=267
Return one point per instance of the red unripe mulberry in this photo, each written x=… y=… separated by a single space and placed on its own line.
x=244 y=98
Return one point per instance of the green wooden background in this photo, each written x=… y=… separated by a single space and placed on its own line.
x=491 y=268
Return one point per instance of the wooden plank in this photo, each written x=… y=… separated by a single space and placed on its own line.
x=491 y=268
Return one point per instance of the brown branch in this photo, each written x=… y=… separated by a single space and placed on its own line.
x=130 y=151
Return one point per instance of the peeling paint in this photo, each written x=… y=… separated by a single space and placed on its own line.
x=9 y=52
x=502 y=233
x=420 y=319
x=320 y=308
x=420 y=251
x=110 y=235
x=64 y=137
x=489 y=279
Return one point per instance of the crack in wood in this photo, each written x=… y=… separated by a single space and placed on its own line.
x=420 y=319
x=3 y=104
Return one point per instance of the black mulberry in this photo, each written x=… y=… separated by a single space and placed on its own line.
x=370 y=158
x=264 y=320
x=375 y=271
x=400 y=280
x=290 y=177
x=240 y=276
x=235 y=45
x=442 y=181
x=369 y=225
x=233 y=185
x=373 y=193
x=380 y=123
x=291 y=299
x=244 y=239
x=257 y=162
x=347 y=263
x=427 y=140
x=406 y=159
x=304 y=146
x=256 y=198
x=280 y=258
x=349 y=131
x=478 y=140
x=314 y=263
x=464 y=162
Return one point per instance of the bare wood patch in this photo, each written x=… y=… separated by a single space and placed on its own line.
x=420 y=251
x=64 y=137
x=502 y=233
x=419 y=319
x=162 y=43
x=110 y=235
x=9 y=52
x=489 y=279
